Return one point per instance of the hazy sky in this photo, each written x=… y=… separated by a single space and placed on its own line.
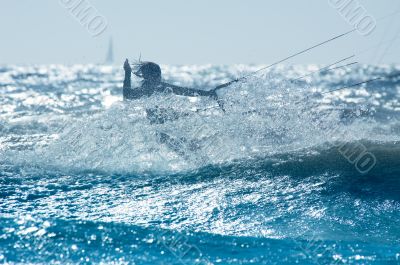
x=195 y=32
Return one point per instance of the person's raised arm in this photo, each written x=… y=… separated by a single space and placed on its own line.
x=128 y=92
x=127 y=80
x=128 y=70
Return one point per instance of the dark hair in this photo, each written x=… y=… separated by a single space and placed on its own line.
x=149 y=71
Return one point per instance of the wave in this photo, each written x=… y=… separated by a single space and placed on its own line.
x=69 y=124
x=70 y=242
x=123 y=139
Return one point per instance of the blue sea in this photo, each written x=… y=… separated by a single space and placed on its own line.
x=288 y=174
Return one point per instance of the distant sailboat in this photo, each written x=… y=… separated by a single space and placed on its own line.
x=110 y=53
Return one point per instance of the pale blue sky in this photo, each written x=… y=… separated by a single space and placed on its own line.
x=193 y=32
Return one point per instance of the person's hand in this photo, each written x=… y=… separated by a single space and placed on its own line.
x=213 y=94
x=127 y=66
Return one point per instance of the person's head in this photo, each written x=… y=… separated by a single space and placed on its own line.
x=149 y=71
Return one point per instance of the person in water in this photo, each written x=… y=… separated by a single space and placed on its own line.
x=151 y=74
x=152 y=83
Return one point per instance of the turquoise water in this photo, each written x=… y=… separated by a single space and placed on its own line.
x=286 y=176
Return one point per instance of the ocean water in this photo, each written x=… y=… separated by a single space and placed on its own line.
x=287 y=175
